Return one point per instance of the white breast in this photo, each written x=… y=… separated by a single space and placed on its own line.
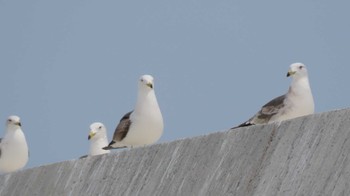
x=14 y=152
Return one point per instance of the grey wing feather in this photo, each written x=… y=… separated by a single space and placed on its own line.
x=274 y=106
x=122 y=128
x=266 y=113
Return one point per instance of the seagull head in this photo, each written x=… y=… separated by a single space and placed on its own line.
x=297 y=70
x=97 y=130
x=13 y=121
x=147 y=81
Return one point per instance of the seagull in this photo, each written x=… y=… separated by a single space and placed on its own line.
x=98 y=139
x=142 y=126
x=298 y=101
x=14 y=152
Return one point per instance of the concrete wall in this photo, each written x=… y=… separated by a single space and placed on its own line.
x=305 y=156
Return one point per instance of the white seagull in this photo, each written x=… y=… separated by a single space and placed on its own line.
x=98 y=139
x=298 y=101
x=14 y=152
x=143 y=125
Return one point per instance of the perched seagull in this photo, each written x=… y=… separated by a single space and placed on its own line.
x=13 y=147
x=143 y=125
x=298 y=101
x=98 y=139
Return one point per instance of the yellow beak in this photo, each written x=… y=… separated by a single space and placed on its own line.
x=150 y=85
x=18 y=123
x=290 y=73
x=91 y=134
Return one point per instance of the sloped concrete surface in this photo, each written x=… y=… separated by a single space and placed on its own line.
x=305 y=156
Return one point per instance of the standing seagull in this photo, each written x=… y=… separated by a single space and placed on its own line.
x=143 y=125
x=13 y=147
x=298 y=101
x=98 y=139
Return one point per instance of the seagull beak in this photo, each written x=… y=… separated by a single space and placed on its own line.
x=91 y=134
x=18 y=123
x=290 y=73
x=149 y=84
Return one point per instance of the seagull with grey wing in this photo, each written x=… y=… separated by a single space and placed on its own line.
x=142 y=126
x=298 y=101
x=14 y=152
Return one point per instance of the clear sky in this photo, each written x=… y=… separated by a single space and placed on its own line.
x=66 y=64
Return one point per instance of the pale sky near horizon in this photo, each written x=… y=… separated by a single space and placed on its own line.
x=66 y=64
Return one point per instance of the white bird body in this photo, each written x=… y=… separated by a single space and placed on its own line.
x=14 y=148
x=299 y=90
x=147 y=121
x=298 y=101
x=98 y=139
x=144 y=125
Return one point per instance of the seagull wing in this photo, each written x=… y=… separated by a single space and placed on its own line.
x=266 y=113
x=123 y=127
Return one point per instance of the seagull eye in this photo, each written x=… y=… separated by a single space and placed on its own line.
x=300 y=67
x=100 y=127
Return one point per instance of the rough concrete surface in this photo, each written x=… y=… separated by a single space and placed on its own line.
x=304 y=156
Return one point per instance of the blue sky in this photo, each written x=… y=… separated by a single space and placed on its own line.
x=66 y=64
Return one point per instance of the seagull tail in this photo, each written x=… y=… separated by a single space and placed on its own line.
x=245 y=124
x=107 y=148
x=110 y=146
